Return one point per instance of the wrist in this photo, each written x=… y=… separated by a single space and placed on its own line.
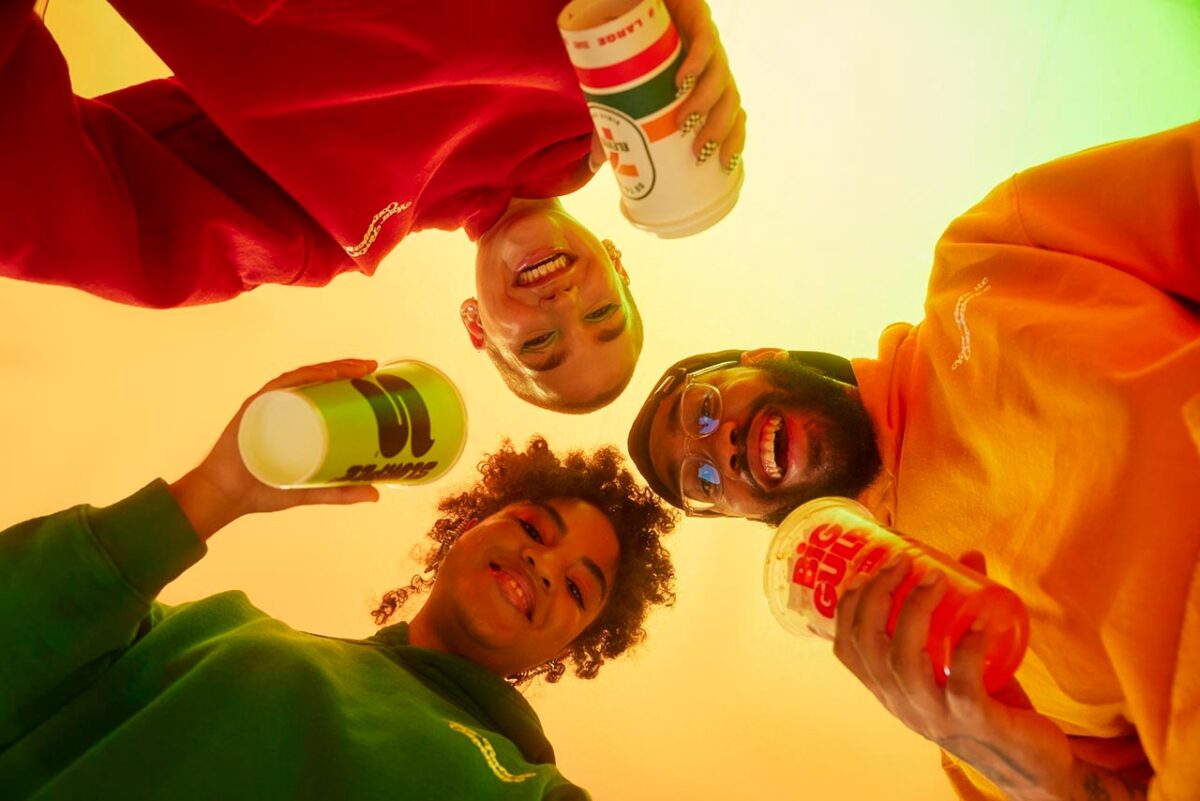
x=1092 y=781
x=204 y=503
x=1084 y=780
x=1039 y=794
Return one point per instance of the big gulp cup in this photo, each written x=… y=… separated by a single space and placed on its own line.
x=626 y=54
x=823 y=544
x=403 y=424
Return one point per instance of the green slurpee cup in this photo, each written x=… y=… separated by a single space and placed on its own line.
x=403 y=424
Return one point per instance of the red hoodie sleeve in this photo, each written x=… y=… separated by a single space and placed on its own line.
x=135 y=196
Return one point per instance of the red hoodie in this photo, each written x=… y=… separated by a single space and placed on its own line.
x=297 y=141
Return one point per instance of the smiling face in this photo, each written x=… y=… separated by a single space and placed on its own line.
x=517 y=588
x=784 y=435
x=552 y=306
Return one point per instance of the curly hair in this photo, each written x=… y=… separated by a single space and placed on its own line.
x=644 y=576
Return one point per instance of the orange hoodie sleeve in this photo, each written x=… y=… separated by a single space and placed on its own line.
x=1071 y=297
x=1134 y=205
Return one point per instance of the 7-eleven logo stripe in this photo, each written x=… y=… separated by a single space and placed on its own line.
x=628 y=151
x=614 y=158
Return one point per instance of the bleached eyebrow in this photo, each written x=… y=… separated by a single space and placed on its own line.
x=554 y=361
x=610 y=334
x=557 y=359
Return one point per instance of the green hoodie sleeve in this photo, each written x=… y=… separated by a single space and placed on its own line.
x=76 y=588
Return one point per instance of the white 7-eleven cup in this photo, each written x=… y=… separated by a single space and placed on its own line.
x=626 y=54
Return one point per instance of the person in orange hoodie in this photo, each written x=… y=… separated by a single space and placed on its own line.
x=1042 y=422
x=301 y=139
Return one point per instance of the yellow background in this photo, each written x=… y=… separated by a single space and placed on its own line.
x=872 y=124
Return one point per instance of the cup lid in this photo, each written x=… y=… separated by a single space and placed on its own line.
x=282 y=438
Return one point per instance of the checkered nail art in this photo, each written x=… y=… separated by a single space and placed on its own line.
x=706 y=152
x=690 y=123
x=734 y=161
x=688 y=84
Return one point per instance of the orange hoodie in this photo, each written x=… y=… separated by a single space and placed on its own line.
x=1047 y=413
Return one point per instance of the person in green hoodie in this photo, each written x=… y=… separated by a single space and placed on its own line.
x=106 y=693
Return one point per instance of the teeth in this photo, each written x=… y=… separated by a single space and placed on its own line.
x=766 y=447
x=519 y=592
x=542 y=269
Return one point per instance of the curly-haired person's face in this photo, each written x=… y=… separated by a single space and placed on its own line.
x=518 y=587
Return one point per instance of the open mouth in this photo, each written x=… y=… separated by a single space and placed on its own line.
x=544 y=270
x=517 y=591
x=773 y=447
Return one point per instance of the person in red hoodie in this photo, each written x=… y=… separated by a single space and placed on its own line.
x=300 y=139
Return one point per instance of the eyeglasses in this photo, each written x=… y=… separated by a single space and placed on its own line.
x=700 y=486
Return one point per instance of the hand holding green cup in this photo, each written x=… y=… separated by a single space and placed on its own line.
x=405 y=423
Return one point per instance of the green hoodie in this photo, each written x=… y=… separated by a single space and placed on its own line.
x=105 y=693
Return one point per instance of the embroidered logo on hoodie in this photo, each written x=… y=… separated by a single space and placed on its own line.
x=373 y=229
x=489 y=755
x=960 y=319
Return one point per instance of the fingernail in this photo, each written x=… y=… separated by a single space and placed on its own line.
x=893 y=560
x=734 y=161
x=930 y=578
x=856 y=582
x=690 y=123
x=709 y=148
x=685 y=87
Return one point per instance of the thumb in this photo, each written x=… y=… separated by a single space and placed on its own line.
x=975 y=561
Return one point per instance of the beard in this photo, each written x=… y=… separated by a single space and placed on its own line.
x=850 y=459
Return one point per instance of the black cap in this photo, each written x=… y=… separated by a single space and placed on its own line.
x=827 y=364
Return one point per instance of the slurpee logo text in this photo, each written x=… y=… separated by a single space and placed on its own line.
x=823 y=560
x=407 y=471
